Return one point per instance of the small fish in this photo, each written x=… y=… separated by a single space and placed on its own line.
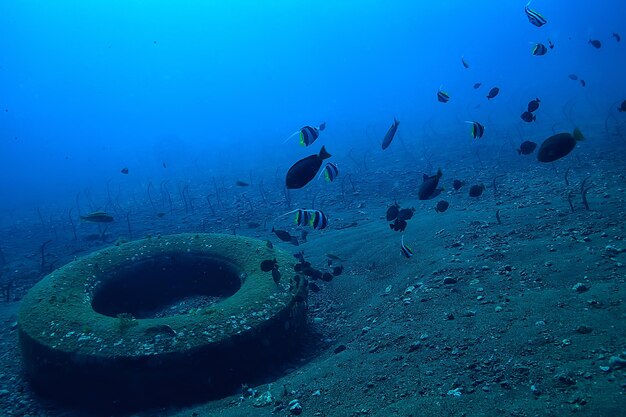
x=533 y=105
x=534 y=17
x=617 y=37
x=406 y=214
x=526 y=148
x=442 y=206
x=622 y=107
x=241 y=184
x=442 y=96
x=406 y=251
x=550 y=44
x=124 y=170
x=326 y=277
x=333 y=257
x=464 y=62
x=429 y=189
x=390 y=134
x=164 y=165
x=285 y=236
x=559 y=145
x=595 y=43
x=314 y=287
x=478 y=130
x=539 y=49
x=456 y=184
x=477 y=86
x=276 y=275
x=392 y=212
x=337 y=270
x=303 y=171
x=528 y=117
x=308 y=134
x=268 y=264
x=573 y=77
x=398 y=225
x=160 y=214
x=330 y=172
x=583 y=83
x=493 y=93
x=97 y=217
x=476 y=190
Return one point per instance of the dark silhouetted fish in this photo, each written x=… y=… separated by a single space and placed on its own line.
x=390 y=134
x=539 y=49
x=406 y=214
x=622 y=107
x=456 y=184
x=526 y=148
x=493 y=93
x=583 y=83
x=617 y=37
x=442 y=96
x=124 y=170
x=573 y=77
x=337 y=270
x=392 y=212
x=476 y=190
x=398 y=225
x=241 y=184
x=276 y=275
x=303 y=171
x=314 y=287
x=477 y=86
x=442 y=206
x=528 y=117
x=464 y=62
x=558 y=146
x=97 y=217
x=534 y=17
x=533 y=105
x=429 y=189
x=285 y=236
x=268 y=264
x=595 y=43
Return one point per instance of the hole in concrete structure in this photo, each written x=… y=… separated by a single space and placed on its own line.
x=166 y=285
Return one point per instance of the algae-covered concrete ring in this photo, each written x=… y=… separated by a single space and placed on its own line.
x=112 y=326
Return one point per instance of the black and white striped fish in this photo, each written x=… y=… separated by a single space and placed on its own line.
x=330 y=172
x=539 y=49
x=478 y=130
x=308 y=134
x=406 y=251
x=442 y=96
x=534 y=17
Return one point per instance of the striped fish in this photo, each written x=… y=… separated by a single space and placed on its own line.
x=534 y=17
x=318 y=220
x=442 y=96
x=406 y=251
x=330 y=172
x=478 y=130
x=303 y=217
x=309 y=134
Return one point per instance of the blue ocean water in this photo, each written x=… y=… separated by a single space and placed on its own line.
x=214 y=88
x=152 y=111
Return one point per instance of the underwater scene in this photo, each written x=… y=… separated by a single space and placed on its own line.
x=316 y=208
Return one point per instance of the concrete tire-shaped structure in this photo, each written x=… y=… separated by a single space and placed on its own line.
x=89 y=335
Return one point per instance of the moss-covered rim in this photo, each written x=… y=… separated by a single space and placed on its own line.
x=58 y=311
